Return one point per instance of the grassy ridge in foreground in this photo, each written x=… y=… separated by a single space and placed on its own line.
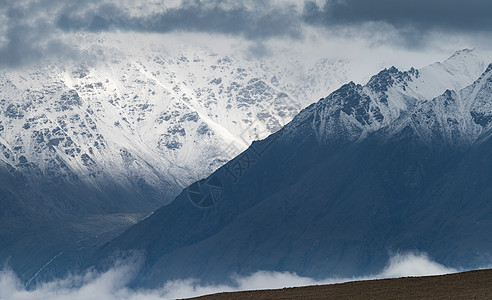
x=466 y=285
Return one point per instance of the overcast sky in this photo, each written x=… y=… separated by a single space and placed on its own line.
x=34 y=30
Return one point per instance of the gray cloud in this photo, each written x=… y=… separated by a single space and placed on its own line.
x=34 y=30
x=437 y=14
x=27 y=34
x=258 y=49
x=31 y=30
x=412 y=20
x=262 y=21
x=267 y=18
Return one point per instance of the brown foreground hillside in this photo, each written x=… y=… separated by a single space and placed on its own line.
x=466 y=285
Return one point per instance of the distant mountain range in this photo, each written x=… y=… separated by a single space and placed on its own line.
x=140 y=127
x=86 y=150
x=401 y=163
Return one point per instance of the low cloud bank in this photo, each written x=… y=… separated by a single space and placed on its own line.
x=113 y=284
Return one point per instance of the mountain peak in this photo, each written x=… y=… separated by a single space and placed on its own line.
x=464 y=51
x=465 y=57
x=386 y=78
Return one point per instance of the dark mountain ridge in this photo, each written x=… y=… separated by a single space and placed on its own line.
x=365 y=172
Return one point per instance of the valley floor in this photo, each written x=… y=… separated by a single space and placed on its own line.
x=466 y=285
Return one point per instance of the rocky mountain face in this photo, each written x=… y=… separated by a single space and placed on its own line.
x=399 y=164
x=89 y=149
x=147 y=126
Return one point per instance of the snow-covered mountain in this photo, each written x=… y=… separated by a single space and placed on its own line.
x=152 y=123
x=355 y=111
x=87 y=149
x=399 y=164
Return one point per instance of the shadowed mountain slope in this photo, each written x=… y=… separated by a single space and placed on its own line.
x=365 y=172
